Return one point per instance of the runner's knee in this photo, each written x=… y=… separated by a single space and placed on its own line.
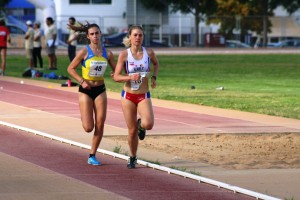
x=88 y=127
x=148 y=125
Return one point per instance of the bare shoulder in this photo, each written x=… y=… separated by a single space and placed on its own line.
x=83 y=52
x=109 y=53
x=84 y=49
x=150 y=52
x=123 y=54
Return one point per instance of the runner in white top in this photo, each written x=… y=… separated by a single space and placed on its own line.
x=51 y=37
x=29 y=36
x=135 y=95
x=72 y=40
x=37 y=45
x=134 y=66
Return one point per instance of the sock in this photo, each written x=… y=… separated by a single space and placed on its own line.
x=91 y=155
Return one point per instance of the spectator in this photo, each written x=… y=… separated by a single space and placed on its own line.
x=37 y=45
x=29 y=36
x=4 y=39
x=51 y=36
x=72 y=40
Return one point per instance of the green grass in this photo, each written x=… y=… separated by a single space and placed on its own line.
x=183 y=169
x=156 y=162
x=266 y=84
x=117 y=149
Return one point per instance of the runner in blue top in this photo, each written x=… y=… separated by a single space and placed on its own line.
x=92 y=92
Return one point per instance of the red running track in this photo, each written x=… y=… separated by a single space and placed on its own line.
x=113 y=175
x=140 y=183
x=167 y=121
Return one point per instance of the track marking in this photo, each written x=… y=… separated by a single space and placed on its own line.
x=199 y=179
x=115 y=111
x=53 y=99
x=191 y=125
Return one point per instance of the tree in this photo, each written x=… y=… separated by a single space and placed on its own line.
x=3 y=3
x=251 y=8
x=199 y=8
x=202 y=9
x=239 y=16
x=290 y=5
x=158 y=5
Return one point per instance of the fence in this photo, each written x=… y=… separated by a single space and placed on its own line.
x=181 y=31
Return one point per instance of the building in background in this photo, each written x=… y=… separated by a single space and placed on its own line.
x=114 y=16
x=19 y=11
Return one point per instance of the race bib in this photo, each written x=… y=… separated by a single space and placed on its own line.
x=97 y=68
x=135 y=85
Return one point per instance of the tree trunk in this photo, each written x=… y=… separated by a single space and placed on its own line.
x=197 y=21
x=265 y=23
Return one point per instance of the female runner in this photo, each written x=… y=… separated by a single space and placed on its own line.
x=92 y=92
x=135 y=61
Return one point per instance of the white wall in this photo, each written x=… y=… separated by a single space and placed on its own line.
x=105 y=15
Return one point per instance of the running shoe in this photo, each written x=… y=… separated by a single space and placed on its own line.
x=131 y=162
x=141 y=131
x=93 y=161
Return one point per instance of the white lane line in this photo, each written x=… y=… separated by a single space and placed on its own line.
x=115 y=111
x=191 y=125
x=39 y=96
x=52 y=99
x=200 y=179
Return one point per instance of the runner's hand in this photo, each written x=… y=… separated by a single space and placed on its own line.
x=153 y=83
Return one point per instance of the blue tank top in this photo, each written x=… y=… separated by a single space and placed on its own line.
x=93 y=67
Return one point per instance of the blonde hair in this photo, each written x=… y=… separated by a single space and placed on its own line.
x=126 y=40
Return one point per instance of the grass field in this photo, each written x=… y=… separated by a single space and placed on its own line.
x=267 y=84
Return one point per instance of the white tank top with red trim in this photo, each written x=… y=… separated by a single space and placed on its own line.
x=134 y=66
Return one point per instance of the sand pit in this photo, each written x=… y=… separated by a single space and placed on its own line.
x=231 y=151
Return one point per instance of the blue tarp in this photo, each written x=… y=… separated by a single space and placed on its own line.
x=13 y=20
x=19 y=4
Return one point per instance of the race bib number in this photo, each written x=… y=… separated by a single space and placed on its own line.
x=135 y=85
x=97 y=68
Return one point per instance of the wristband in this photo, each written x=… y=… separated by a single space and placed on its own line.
x=81 y=81
x=153 y=77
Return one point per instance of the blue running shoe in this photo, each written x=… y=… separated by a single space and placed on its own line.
x=141 y=131
x=93 y=161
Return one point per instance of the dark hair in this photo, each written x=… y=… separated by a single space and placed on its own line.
x=72 y=18
x=2 y=22
x=85 y=28
x=37 y=23
x=50 y=19
x=91 y=26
